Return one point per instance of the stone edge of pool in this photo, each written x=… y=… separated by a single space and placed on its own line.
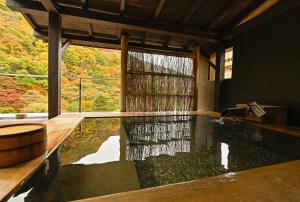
x=60 y=127
x=279 y=182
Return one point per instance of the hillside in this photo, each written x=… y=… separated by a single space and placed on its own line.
x=21 y=53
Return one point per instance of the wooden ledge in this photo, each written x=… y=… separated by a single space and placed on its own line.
x=57 y=130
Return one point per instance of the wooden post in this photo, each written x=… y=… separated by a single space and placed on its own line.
x=80 y=94
x=54 y=62
x=220 y=68
x=123 y=138
x=124 y=54
x=196 y=74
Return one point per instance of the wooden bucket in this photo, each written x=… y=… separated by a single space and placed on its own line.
x=21 y=142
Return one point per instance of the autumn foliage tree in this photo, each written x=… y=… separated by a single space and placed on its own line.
x=22 y=53
x=10 y=97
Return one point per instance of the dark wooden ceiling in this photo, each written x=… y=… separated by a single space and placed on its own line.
x=170 y=25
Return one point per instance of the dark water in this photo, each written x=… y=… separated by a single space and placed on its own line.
x=112 y=155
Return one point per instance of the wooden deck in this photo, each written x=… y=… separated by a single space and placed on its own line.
x=60 y=127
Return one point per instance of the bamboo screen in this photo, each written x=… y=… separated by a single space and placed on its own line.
x=159 y=82
x=154 y=136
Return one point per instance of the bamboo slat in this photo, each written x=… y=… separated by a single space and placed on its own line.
x=159 y=82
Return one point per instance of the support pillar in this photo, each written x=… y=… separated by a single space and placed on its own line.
x=123 y=139
x=196 y=75
x=124 y=54
x=54 y=65
x=220 y=68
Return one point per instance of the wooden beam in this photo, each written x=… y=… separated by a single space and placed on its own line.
x=245 y=13
x=65 y=45
x=159 y=74
x=191 y=45
x=259 y=10
x=146 y=37
x=277 y=10
x=131 y=23
x=54 y=65
x=157 y=12
x=119 y=33
x=220 y=67
x=195 y=7
x=50 y=5
x=159 y=8
x=26 y=7
x=30 y=21
x=161 y=49
x=167 y=44
x=141 y=25
x=196 y=76
x=221 y=15
x=122 y=7
x=155 y=50
x=113 y=43
x=124 y=55
x=208 y=61
x=90 y=29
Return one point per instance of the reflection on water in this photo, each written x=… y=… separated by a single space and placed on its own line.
x=112 y=155
x=109 y=151
x=21 y=196
x=157 y=137
x=224 y=155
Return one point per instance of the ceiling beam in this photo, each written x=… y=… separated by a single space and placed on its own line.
x=221 y=15
x=143 y=25
x=122 y=7
x=245 y=13
x=157 y=12
x=109 y=43
x=195 y=7
x=26 y=7
x=276 y=10
x=50 y=5
x=259 y=10
x=158 y=48
x=159 y=8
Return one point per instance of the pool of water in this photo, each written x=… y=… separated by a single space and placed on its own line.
x=112 y=155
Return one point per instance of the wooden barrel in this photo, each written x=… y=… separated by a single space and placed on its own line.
x=21 y=142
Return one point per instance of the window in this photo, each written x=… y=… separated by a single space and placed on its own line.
x=211 y=70
x=228 y=63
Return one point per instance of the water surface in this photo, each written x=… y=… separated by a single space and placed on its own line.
x=111 y=155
